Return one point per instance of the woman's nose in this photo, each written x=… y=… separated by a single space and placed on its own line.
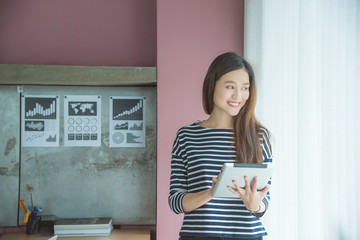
x=235 y=94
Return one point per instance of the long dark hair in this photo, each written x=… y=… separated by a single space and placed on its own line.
x=246 y=128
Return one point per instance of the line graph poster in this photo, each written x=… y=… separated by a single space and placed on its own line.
x=82 y=120
x=127 y=122
x=40 y=121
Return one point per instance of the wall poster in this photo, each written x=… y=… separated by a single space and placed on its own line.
x=127 y=122
x=82 y=120
x=40 y=121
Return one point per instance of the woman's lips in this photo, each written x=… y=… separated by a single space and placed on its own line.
x=233 y=104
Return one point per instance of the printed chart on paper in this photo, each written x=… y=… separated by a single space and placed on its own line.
x=40 y=121
x=82 y=120
x=127 y=122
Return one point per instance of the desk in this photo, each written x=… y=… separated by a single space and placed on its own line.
x=117 y=234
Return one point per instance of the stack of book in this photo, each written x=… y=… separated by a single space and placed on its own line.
x=79 y=227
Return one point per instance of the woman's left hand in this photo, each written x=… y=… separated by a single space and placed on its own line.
x=251 y=197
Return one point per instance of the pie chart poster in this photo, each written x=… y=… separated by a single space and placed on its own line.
x=127 y=122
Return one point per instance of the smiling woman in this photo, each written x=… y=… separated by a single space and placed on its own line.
x=230 y=134
x=231 y=67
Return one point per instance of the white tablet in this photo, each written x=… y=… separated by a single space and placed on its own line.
x=237 y=171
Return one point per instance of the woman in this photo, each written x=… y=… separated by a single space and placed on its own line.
x=230 y=134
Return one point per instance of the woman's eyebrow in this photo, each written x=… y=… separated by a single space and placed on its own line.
x=230 y=81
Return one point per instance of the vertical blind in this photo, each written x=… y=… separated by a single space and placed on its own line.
x=305 y=54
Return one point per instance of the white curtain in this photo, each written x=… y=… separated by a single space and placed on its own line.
x=305 y=54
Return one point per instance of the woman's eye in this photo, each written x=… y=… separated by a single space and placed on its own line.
x=230 y=87
x=245 y=88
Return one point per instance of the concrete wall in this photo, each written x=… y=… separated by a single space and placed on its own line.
x=9 y=154
x=190 y=35
x=79 y=181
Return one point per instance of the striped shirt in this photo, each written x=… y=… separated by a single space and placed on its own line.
x=198 y=155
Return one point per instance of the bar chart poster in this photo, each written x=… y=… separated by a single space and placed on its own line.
x=82 y=120
x=127 y=122
x=40 y=121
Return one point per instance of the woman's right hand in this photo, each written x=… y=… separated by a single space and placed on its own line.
x=214 y=181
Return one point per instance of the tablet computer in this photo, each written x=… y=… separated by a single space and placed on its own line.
x=237 y=171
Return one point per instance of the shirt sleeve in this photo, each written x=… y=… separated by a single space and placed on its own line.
x=178 y=178
x=267 y=159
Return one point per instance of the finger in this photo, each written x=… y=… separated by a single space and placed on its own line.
x=254 y=184
x=247 y=182
x=236 y=184
x=238 y=188
x=264 y=191
x=214 y=181
x=233 y=190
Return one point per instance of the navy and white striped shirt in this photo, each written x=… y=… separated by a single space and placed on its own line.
x=198 y=155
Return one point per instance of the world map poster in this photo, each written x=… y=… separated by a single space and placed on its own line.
x=82 y=120
x=40 y=117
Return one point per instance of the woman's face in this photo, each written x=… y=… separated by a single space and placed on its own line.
x=231 y=92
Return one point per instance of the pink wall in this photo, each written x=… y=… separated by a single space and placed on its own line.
x=78 y=32
x=190 y=34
